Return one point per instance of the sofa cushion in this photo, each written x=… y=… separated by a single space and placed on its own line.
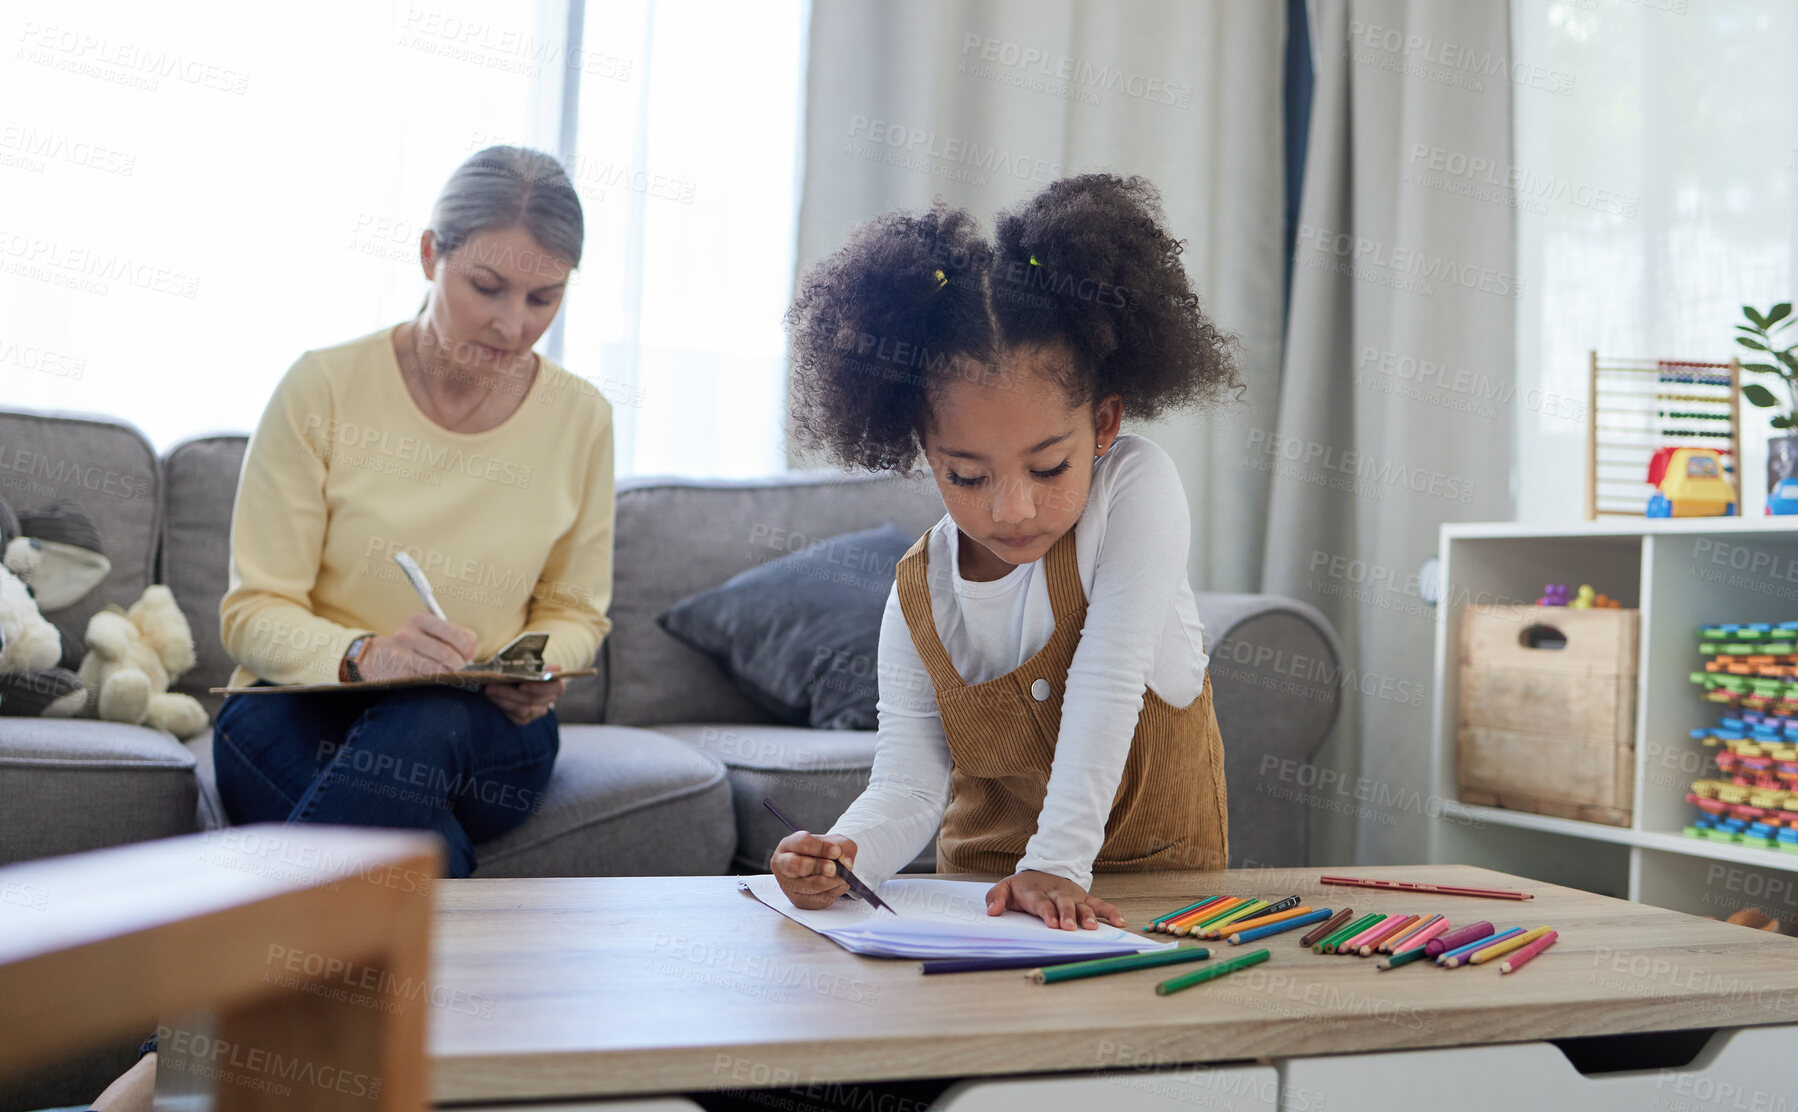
x=69 y=785
x=107 y=468
x=621 y=802
x=801 y=634
x=675 y=538
x=812 y=774
x=199 y=488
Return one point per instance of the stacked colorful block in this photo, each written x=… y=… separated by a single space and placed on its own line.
x=1753 y=665
x=1754 y=798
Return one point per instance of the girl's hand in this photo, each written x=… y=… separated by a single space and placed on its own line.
x=806 y=866
x=425 y=645
x=526 y=702
x=1058 y=900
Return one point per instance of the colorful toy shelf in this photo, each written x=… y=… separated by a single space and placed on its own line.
x=1717 y=670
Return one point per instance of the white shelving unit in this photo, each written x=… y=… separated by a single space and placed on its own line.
x=1681 y=573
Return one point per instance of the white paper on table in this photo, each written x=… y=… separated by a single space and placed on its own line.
x=942 y=919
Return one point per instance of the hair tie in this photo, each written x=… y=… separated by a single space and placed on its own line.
x=1033 y=261
x=941 y=278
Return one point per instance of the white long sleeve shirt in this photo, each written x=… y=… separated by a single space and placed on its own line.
x=1142 y=632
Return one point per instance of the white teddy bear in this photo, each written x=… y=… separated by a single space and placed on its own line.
x=133 y=656
x=28 y=642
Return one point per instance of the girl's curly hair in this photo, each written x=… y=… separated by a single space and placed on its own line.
x=915 y=300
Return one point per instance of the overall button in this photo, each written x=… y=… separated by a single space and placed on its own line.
x=1039 y=690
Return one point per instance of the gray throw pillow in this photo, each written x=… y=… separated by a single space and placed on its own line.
x=800 y=635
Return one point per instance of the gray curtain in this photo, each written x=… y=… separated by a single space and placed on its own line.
x=1394 y=413
x=981 y=103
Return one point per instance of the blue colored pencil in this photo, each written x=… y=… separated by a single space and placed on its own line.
x=1446 y=956
x=1305 y=920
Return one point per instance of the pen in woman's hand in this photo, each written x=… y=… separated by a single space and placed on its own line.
x=419 y=582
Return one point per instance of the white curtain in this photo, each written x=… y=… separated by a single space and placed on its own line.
x=192 y=194
x=1404 y=288
x=982 y=103
x=1654 y=212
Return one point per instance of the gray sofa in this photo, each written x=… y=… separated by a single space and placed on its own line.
x=664 y=761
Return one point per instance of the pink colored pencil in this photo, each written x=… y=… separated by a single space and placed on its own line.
x=1515 y=961
x=1353 y=945
x=1417 y=938
x=1391 y=945
x=1403 y=922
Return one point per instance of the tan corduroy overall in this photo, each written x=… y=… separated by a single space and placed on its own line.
x=1169 y=812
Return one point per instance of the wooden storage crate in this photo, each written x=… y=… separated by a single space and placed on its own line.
x=1543 y=729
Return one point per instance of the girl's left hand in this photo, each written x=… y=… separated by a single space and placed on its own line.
x=1058 y=900
x=524 y=703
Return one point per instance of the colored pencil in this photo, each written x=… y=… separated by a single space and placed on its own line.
x=1075 y=970
x=1286 y=904
x=1204 y=915
x=983 y=965
x=1241 y=936
x=1155 y=923
x=1438 y=889
x=1500 y=949
x=1393 y=944
x=1329 y=944
x=1241 y=911
x=1187 y=918
x=1454 y=959
x=1416 y=940
x=1387 y=930
x=1200 y=976
x=1325 y=930
x=1443 y=943
x=1516 y=961
x=1355 y=940
x=1260 y=919
x=1404 y=958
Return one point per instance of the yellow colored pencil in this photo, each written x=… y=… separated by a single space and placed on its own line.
x=1200 y=918
x=1242 y=912
x=1257 y=921
x=1500 y=949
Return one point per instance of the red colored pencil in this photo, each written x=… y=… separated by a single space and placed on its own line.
x=1438 y=889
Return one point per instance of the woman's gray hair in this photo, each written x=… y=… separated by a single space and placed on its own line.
x=505 y=187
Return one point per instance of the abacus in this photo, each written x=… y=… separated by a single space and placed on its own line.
x=1634 y=406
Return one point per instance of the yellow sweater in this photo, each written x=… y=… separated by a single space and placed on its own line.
x=513 y=526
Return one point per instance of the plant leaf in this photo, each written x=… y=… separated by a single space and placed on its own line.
x=1789 y=360
x=1754 y=315
x=1749 y=342
x=1759 y=395
x=1751 y=330
x=1781 y=422
x=1779 y=311
x=1761 y=368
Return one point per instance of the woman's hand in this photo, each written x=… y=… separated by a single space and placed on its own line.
x=524 y=703
x=425 y=645
x=1058 y=900
x=806 y=866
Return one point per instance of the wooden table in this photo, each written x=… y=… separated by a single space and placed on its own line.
x=254 y=923
x=595 y=987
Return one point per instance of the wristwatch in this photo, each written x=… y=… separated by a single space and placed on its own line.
x=347 y=672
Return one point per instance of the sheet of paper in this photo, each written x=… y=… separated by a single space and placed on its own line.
x=942 y=919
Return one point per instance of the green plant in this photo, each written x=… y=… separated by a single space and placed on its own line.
x=1757 y=335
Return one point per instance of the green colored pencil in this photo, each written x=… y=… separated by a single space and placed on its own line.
x=1328 y=945
x=1195 y=928
x=1155 y=924
x=1210 y=972
x=1403 y=957
x=1074 y=970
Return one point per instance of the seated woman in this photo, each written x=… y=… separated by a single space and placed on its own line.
x=448 y=438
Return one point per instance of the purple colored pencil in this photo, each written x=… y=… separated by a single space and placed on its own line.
x=1453 y=940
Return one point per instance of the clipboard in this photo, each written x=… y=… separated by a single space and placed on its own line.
x=520 y=660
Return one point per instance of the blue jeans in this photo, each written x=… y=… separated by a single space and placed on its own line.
x=426 y=758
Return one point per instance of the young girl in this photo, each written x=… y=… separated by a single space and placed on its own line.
x=1043 y=694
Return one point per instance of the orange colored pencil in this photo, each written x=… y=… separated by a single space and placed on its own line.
x=1180 y=925
x=1251 y=924
x=1404 y=923
x=1391 y=945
